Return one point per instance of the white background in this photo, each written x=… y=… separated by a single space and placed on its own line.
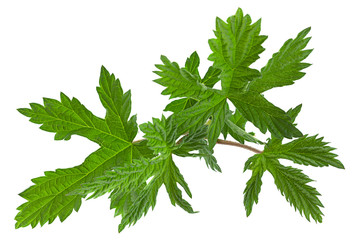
x=52 y=46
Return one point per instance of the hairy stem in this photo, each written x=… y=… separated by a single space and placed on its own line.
x=225 y=142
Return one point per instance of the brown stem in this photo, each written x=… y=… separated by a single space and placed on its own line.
x=236 y=144
x=224 y=142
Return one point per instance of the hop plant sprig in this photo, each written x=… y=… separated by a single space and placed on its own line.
x=132 y=171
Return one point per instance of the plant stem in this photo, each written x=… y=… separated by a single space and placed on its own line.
x=226 y=142
x=236 y=144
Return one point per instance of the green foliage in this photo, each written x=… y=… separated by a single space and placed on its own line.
x=253 y=186
x=48 y=198
x=305 y=150
x=292 y=184
x=132 y=171
x=236 y=47
x=285 y=66
x=180 y=82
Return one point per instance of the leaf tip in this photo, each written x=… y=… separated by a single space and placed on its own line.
x=17 y=225
x=340 y=165
x=121 y=227
x=304 y=32
x=239 y=12
x=103 y=69
x=194 y=54
x=25 y=111
x=164 y=59
x=248 y=212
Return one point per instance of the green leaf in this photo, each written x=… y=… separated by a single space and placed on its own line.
x=200 y=103
x=191 y=142
x=196 y=116
x=179 y=82
x=172 y=177
x=217 y=123
x=211 y=77
x=264 y=115
x=131 y=196
x=122 y=201
x=162 y=138
x=253 y=186
x=68 y=117
x=294 y=112
x=306 y=151
x=293 y=184
x=117 y=105
x=161 y=134
x=240 y=134
x=180 y=104
x=48 y=197
x=236 y=46
x=194 y=145
x=209 y=158
x=141 y=205
x=141 y=150
x=285 y=66
x=192 y=64
x=235 y=125
x=126 y=178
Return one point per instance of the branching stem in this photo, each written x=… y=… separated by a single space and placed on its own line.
x=227 y=142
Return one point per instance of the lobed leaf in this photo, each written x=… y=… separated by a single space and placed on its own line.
x=131 y=196
x=293 y=184
x=50 y=197
x=172 y=177
x=141 y=205
x=161 y=134
x=196 y=116
x=306 y=151
x=264 y=115
x=194 y=145
x=180 y=82
x=253 y=186
x=125 y=178
x=285 y=66
x=191 y=65
x=236 y=46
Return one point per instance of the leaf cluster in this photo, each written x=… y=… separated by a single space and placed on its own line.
x=132 y=171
